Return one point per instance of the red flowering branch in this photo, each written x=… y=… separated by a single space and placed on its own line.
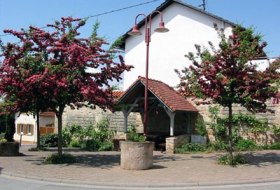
x=227 y=75
x=49 y=70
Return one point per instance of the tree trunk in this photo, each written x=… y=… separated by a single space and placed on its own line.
x=59 y=127
x=230 y=143
x=38 y=129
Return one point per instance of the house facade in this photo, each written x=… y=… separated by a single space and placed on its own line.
x=26 y=127
x=187 y=26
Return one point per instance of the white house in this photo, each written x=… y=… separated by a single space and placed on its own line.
x=187 y=26
x=26 y=127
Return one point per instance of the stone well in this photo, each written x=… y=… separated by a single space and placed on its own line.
x=136 y=155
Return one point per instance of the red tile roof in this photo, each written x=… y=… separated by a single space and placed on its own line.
x=47 y=114
x=117 y=93
x=166 y=94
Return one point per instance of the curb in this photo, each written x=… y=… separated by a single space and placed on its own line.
x=74 y=182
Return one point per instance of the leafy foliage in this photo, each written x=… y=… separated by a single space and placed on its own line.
x=274 y=146
x=276 y=130
x=237 y=159
x=217 y=146
x=242 y=123
x=191 y=147
x=49 y=140
x=227 y=75
x=132 y=135
x=2 y=138
x=200 y=126
x=50 y=69
x=92 y=138
x=246 y=144
x=7 y=123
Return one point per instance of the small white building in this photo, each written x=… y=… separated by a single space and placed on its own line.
x=27 y=127
x=187 y=26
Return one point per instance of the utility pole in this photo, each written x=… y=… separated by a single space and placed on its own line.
x=203 y=5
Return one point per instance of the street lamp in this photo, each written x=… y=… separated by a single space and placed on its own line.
x=135 y=32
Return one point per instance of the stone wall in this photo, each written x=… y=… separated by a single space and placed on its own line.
x=272 y=117
x=86 y=116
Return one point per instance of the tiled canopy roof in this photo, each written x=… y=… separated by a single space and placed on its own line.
x=117 y=93
x=47 y=114
x=166 y=94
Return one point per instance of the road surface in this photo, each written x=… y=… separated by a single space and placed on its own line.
x=13 y=183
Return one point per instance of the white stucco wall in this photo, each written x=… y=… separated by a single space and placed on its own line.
x=167 y=50
x=26 y=119
x=263 y=63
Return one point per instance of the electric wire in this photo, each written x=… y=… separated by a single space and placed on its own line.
x=104 y=13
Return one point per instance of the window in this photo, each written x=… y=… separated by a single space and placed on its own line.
x=25 y=129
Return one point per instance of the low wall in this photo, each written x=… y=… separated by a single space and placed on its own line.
x=173 y=142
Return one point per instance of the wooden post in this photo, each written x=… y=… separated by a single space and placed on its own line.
x=126 y=111
x=172 y=116
x=125 y=114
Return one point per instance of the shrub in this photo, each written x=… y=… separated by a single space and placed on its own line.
x=217 y=146
x=276 y=130
x=106 y=146
x=200 y=126
x=237 y=159
x=75 y=143
x=49 y=140
x=132 y=135
x=246 y=144
x=92 y=138
x=219 y=130
x=190 y=147
x=3 y=140
x=274 y=146
x=90 y=145
x=102 y=132
x=63 y=159
x=72 y=132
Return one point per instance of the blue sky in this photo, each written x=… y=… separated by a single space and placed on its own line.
x=262 y=15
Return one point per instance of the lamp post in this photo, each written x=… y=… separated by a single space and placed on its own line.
x=135 y=32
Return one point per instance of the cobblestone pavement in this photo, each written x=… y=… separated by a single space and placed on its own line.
x=103 y=168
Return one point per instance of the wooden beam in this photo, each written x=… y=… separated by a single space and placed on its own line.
x=171 y=115
x=127 y=110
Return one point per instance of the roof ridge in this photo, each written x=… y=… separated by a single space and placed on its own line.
x=160 y=82
x=150 y=79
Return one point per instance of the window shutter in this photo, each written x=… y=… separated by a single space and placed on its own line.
x=25 y=129
x=32 y=129
x=18 y=129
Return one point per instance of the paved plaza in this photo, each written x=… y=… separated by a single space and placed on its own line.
x=103 y=169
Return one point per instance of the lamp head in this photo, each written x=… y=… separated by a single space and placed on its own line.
x=135 y=31
x=161 y=28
